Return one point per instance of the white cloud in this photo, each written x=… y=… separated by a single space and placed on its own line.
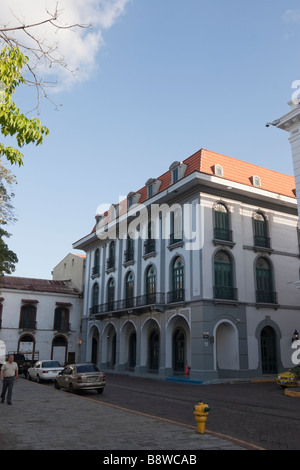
x=291 y=16
x=78 y=47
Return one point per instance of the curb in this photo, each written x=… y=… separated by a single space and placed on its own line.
x=292 y=393
x=257 y=381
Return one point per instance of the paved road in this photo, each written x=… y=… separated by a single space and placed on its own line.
x=43 y=418
x=258 y=413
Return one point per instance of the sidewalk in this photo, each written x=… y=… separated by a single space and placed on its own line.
x=43 y=418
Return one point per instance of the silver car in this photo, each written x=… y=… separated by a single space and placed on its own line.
x=75 y=377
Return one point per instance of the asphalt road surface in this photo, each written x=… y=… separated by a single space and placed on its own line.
x=257 y=413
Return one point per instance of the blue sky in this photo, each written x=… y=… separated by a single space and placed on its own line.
x=172 y=76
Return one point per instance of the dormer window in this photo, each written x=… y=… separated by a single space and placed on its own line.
x=175 y=175
x=218 y=170
x=132 y=199
x=256 y=181
x=178 y=170
x=153 y=186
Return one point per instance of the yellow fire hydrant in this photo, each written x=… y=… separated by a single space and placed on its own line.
x=201 y=412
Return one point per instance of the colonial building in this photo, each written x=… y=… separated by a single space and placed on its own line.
x=40 y=317
x=197 y=269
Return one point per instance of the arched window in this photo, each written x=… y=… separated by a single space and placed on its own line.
x=96 y=267
x=223 y=273
x=154 y=350
x=26 y=344
x=151 y=284
x=221 y=221
x=179 y=350
x=177 y=281
x=61 y=319
x=95 y=295
x=129 y=289
x=261 y=231
x=176 y=226
x=111 y=293
x=111 y=255
x=264 y=282
x=129 y=252
x=149 y=244
x=28 y=317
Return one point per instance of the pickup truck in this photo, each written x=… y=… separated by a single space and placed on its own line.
x=24 y=360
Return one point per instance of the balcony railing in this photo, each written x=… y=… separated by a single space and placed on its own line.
x=225 y=293
x=95 y=270
x=130 y=303
x=175 y=239
x=267 y=297
x=177 y=295
x=263 y=242
x=149 y=246
x=128 y=255
x=28 y=324
x=62 y=326
x=223 y=234
x=110 y=263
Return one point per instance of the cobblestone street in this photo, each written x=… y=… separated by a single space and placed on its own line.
x=43 y=418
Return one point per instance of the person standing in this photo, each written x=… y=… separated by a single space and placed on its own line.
x=9 y=373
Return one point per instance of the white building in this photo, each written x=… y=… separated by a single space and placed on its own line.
x=208 y=284
x=40 y=316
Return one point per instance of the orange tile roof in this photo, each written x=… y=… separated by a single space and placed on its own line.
x=239 y=171
x=235 y=170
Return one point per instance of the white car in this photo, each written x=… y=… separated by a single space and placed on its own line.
x=44 y=370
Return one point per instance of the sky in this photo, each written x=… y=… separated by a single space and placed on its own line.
x=157 y=80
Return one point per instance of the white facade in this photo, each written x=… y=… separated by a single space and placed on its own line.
x=224 y=301
x=40 y=317
x=290 y=122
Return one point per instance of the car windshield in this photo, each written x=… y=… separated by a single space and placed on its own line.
x=87 y=368
x=51 y=364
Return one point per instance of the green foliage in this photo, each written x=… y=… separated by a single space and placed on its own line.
x=12 y=122
x=8 y=258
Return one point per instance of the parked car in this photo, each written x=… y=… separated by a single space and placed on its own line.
x=44 y=370
x=289 y=378
x=77 y=377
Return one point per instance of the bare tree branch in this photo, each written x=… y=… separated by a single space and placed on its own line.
x=41 y=52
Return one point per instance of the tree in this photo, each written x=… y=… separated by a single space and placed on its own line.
x=27 y=39
x=8 y=258
x=13 y=123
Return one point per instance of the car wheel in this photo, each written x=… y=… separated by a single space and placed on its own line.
x=28 y=376
x=38 y=379
x=71 y=388
x=100 y=390
x=56 y=385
